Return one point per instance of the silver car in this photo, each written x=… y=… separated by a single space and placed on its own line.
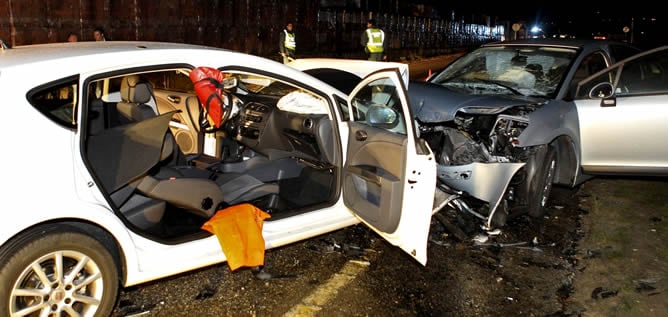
x=505 y=123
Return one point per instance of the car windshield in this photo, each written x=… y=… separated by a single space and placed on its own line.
x=260 y=85
x=519 y=70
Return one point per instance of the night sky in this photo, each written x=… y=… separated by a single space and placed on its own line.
x=585 y=18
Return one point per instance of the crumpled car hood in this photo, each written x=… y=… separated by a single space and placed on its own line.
x=434 y=103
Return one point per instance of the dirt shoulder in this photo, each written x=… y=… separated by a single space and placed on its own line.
x=599 y=251
x=623 y=256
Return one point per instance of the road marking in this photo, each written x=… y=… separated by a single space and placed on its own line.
x=313 y=303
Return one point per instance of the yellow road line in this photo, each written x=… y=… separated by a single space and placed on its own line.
x=313 y=303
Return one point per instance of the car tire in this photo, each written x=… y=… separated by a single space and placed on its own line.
x=92 y=291
x=541 y=184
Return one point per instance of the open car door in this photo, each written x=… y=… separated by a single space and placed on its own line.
x=389 y=176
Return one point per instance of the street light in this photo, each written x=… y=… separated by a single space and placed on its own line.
x=536 y=31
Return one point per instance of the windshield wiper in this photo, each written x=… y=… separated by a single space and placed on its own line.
x=487 y=81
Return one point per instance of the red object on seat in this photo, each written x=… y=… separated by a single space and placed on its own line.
x=209 y=92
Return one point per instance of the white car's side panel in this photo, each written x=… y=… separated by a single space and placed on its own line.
x=156 y=260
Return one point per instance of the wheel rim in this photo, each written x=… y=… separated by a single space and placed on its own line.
x=548 y=183
x=61 y=283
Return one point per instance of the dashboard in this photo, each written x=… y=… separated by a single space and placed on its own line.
x=277 y=133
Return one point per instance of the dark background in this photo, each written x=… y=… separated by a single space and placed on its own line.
x=327 y=27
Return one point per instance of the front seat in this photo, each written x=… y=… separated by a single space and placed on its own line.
x=237 y=187
x=199 y=191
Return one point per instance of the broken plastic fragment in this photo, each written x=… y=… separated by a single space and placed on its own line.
x=494 y=232
x=480 y=238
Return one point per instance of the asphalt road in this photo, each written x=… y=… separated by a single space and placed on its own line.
x=600 y=251
x=587 y=257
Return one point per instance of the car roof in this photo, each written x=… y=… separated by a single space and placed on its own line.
x=583 y=44
x=37 y=53
x=24 y=66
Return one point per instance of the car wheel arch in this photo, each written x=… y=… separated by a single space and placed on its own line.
x=72 y=225
x=70 y=246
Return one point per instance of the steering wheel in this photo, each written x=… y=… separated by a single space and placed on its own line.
x=205 y=124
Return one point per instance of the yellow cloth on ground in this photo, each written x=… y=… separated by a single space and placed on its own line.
x=239 y=232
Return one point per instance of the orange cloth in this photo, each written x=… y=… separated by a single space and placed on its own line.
x=239 y=231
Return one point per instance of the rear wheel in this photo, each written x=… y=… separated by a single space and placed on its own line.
x=57 y=274
x=541 y=184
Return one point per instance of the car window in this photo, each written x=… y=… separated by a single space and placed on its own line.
x=343 y=107
x=586 y=87
x=261 y=85
x=57 y=101
x=383 y=93
x=644 y=75
x=173 y=80
x=589 y=65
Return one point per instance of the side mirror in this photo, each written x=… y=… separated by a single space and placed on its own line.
x=601 y=90
x=381 y=116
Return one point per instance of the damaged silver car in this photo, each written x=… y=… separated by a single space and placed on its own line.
x=501 y=120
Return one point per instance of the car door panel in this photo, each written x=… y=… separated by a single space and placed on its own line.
x=184 y=124
x=625 y=138
x=374 y=173
x=389 y=177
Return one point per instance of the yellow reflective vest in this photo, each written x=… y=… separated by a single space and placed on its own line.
x=375 y=37
x=290 y=42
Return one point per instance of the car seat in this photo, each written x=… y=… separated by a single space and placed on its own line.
x=197 y=190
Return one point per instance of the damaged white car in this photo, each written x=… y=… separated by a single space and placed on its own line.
x=503 y=122
x=133 y=146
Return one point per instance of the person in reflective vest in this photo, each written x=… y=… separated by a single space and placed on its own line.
x=287 y=44
x=374 y=42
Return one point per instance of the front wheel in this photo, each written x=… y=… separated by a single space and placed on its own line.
x=540 y=185
x=57 y=273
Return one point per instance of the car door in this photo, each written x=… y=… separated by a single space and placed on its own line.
x=626 y=132
x=389 y=176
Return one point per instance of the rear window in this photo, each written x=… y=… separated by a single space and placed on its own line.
x=57 y=101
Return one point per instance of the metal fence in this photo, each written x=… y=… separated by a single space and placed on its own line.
x=243 y=25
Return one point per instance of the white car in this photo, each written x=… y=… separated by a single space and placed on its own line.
x=125 y=164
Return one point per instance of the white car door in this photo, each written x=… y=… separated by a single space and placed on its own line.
x=389 y=176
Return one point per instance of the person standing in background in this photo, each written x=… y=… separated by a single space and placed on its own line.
x=374 y=42
x=287 y=44
x=73 y=37
x=98 y=34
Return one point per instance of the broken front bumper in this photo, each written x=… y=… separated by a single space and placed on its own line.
x=485 y=181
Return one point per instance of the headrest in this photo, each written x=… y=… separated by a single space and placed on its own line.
x=134 y=90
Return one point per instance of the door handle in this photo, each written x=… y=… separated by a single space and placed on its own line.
x=174 y=99
x=361 y=135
